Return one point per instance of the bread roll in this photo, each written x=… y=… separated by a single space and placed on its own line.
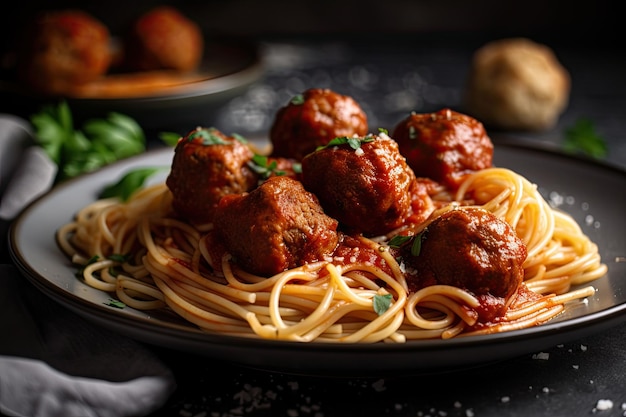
x=516 y=84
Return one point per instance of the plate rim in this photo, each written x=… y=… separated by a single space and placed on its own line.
x=244 y=74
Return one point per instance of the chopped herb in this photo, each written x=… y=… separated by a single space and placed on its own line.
x=381 y=303
x=115 y=303
x=240 y=138
x=261 y=165
x=90 y=261
x=354 y=142
x=129 y=183
x=383 y=130
x=297 y=100
x=117 y=257
x=208 y=136
x=412 y=132
x=398 y=240
x=583 y=138
x=416 y=247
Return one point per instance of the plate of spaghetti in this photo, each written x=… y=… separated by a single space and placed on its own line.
x=379 y=263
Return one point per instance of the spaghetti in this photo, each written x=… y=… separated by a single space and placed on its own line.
x=167 y=264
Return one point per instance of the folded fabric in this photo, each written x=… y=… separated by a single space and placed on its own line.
x=15 y=136
x=54 y=363
x=26 y=171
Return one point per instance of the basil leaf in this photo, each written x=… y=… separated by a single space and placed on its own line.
x=129 y=183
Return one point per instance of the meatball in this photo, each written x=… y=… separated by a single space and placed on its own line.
x=277 y=226
x=444 y=146
x=164 y=38
x=517 y=84
x=63 y=49
x=208 y=165
x=313 y=119
x=365 y=183
x=468 y=248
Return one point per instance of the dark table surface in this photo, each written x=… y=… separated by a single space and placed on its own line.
x=390 y=78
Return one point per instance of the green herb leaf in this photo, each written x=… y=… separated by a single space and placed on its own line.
x=240 y=138
x=398 y=240
x=209 y=137
x=583 y=138
x=297 y=100
x=381 y=303
x=100 y=142
x=416 y=247
x=262 y=166
x=129 y=183
x=118 y=257
x=115 y=303
x=354 y=142
x=93 y=259
x=169 y=138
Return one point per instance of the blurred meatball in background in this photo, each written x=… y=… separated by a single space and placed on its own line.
x=163 y=38
x=62 y=49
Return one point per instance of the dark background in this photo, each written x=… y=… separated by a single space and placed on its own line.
x=586 y=22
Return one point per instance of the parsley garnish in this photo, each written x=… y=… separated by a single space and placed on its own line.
x=240 y=138
x=90 y=261
x=583 y=138
x=381 y=303
x=297 y=100
x=398 y=240
x=208 y=136
x=354 y=142
x=115 y=303
x=416 y=247
x=118 y=257
x=261 y=165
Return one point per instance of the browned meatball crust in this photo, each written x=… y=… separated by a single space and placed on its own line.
x=444 y=146
x=164 y=38
x=277 y=226
x=368 y=189
x=63 y=49
x=208 y=165
x=468 y=248
x=313 y=119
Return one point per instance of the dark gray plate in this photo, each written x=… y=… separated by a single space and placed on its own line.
x=594 y=194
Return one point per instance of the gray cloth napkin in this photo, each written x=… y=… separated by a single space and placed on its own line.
x=53 y=362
